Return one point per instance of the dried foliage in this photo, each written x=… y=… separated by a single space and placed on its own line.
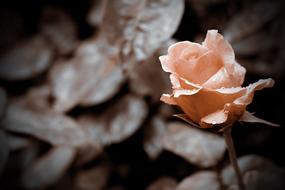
x=80 y=84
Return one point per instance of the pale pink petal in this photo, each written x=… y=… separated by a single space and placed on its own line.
x=216 y=42
x=167 y=98
x=200 y=70
x=248 y=117
x=183 y=92
x=166 y=64
x=175 y=81
x=226 y=77
x=247 y=98
x=217 y=118
x=205 y=101
x=175 y=50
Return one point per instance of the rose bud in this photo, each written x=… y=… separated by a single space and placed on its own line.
x=206 y=82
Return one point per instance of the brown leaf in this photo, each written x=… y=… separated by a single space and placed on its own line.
x=148 y=78
x=92 y=77
x=254 y=44
x=18 y=142
x=92 y=179
x=141 y=26
x=251 y=19
x=265 y=175
x=48 y=169
x=60 y=29
x=28 y=59
x=45 y=125
x=88 y=152
x=4 y=150
x=163 y=183
x=96 y=13
x=3 y=102
x=196 y=146
x=153 y=137
x=200 y=181
x=117 y=123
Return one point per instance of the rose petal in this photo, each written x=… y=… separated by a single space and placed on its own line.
x=200 y=70
x=228 y=76
x=247 y=98
x=205 y=102
x=249 y=117
x=216 y=42
x=234 y=111
x=167 y=98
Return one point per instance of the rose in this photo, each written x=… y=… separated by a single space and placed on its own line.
x=207 y=81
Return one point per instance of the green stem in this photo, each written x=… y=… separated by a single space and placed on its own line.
x=232 y=155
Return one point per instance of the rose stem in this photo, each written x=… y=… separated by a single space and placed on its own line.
x=232 y=155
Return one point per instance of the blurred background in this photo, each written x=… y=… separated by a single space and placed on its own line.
x=80 y=83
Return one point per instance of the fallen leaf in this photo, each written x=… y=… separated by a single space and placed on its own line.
x=264 y=172
x=4 y=151
x=95 y=178
x=142 y=75
x=18 y=142
x=60 y=29
x=163 y=183
x=141 y=26
x=196 y=146
x=254 y=44
x=117 y=123
x=153 y=137
x=45 y=125
x=88 y=152
x=96 y=12
x=92 y=77
x=26 y=60
x=3 y=102
x=251 y=19
x=200 y=181
x=48 y=169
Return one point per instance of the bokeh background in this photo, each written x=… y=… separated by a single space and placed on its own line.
x=80 y=83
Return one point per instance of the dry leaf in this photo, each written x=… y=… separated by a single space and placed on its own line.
x=92 y=179
x=37 y=97
x=90 y=78
x=4 y=150
x=18 y=142
x=117 y=123
x=60 y=29
x=45 y=125
x=48 y=169
x=163 y=183
x=263 y=167
x=3 y=101
x=88 y=152
x=147 y=77
x=196 y=146
x=254 y=44
x=153 y=137
x=96 y=13
x=26 y=60
x=141 y=26
x=251 y=19
x=200 y=181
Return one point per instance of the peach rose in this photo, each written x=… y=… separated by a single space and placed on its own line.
x=207 y=81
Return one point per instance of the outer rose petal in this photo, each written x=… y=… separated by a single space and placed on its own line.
x=205 y=102
x=236 y=110
x=166 y=98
